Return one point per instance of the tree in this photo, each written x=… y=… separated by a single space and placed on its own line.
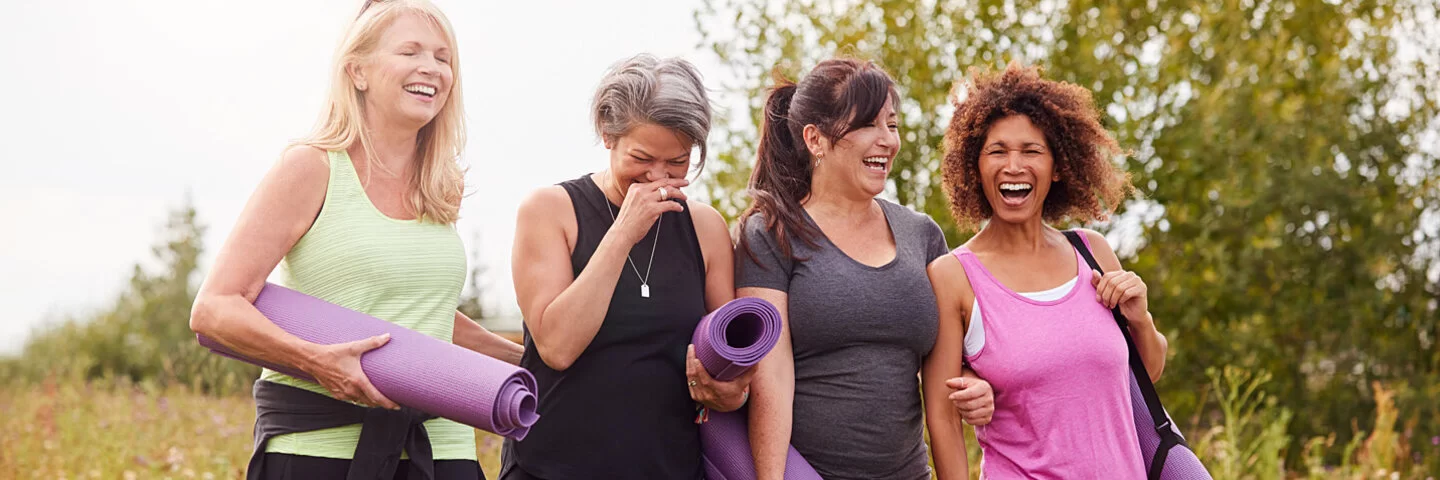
x=1279 y=149
x=471 y=300
x=144 y=335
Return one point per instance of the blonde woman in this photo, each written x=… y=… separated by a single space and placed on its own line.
x=362 y=214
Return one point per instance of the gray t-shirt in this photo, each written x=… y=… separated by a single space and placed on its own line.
x=859 y=334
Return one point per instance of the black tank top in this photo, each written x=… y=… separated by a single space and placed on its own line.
x=622 y=410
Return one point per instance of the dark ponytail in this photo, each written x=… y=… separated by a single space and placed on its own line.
x=838 y=97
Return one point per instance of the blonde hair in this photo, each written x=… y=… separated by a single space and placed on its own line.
x=439 y=183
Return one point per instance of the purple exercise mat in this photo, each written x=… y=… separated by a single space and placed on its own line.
x=736 y=336
x=729 y=340
x=725 y=441
x=412 y=369
x=1181 y=464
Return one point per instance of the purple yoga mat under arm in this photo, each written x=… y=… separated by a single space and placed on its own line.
x=412 y=369
x=736 y=336
x=729 y=340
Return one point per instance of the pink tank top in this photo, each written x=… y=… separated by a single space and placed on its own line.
x=1060 y=373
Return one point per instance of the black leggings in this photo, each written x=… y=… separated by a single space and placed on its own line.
x=282 y=466
x=515 y=473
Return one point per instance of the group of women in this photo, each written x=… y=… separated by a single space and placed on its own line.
x=883 y=332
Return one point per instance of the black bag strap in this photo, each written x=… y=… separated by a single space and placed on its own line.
x=1168 y=437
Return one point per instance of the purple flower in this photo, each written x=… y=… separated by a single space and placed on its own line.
x=1435 y=440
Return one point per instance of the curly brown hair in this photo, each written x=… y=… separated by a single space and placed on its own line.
x=1091 y=186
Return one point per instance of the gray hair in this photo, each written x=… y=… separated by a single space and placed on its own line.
x=644 y=89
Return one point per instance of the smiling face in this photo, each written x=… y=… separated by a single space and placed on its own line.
x=862 y=158
x=648 y=153
x=407 y=78
x=1016 y=169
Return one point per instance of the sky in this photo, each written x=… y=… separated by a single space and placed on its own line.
x=112 y=112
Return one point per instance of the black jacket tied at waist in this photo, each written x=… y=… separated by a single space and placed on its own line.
x=384 y=434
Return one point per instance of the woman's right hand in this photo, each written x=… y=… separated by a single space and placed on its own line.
x=644 y=204
x=337 y=368
x=973 y=398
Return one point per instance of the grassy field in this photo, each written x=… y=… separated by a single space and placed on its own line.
x=77 y=430
x=81 y=430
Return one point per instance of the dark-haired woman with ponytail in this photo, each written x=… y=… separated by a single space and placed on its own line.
x=847 y=270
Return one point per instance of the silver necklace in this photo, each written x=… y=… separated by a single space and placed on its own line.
x=644 y=279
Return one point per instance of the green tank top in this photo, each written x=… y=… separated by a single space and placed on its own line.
x=404 y=271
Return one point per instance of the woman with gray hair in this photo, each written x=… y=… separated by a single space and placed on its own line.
x=613 y=271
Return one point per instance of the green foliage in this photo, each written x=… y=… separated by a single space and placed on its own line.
x=471 y=300
x=789 y=37
x=128 y=393
x=1250 y=442
x=145 y=334
x=1284 y=152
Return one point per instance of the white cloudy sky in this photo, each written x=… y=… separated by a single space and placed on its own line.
x=111 y=111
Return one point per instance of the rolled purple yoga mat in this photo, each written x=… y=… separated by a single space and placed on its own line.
x=1181 y=463
x=729 y=340
x=725 y=440
x=412 y=369
x=736 y=336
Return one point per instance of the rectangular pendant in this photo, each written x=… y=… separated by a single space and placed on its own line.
x=645 y=290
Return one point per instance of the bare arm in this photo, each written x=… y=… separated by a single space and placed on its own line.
x=471 y=335
x=942 y=419
x=279 y=212
x=1129 y=292
x=772 y=394
x=564 y=311
x=719 y=256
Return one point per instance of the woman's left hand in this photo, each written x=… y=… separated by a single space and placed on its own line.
x=714 y=394
x=1125 y=289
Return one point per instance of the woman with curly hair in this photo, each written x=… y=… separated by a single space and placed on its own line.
x=1023 y=152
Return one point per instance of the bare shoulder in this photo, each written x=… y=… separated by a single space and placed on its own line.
x=1101 y=249
x=1095 y=238
x=544 y=210
x=295 y=184
x=708 y=221
x=952 y=288
x=303 y=163
x=712 y=232
x=280 y=211
x=947 y=274
x=546 y=201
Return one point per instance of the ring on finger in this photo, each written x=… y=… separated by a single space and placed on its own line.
x=664 y=194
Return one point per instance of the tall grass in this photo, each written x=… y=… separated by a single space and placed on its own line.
x=77 y=429
x=1250 y=442
x=70 y=428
